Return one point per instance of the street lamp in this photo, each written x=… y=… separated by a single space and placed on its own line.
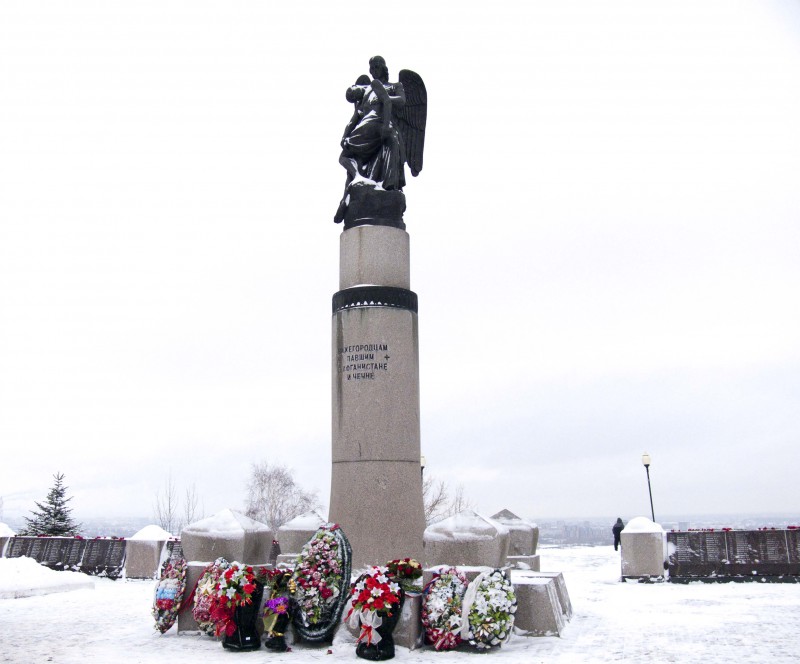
x=646 y=464
x=422 y=464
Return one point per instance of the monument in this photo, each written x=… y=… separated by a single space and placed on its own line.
x=376 y=479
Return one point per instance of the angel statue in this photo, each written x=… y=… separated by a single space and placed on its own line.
x=387 y=131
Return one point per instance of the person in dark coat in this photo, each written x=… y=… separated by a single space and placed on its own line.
x=617 y=529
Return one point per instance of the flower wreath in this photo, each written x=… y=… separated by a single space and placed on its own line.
x=321 y=571
x=206 y=602
x=441 y=608
x=373 y=596
x=169 y=594
x=489 y=607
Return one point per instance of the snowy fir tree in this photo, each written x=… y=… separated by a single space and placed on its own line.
x=53 y=517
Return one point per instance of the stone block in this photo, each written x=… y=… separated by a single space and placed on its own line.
x=229 y=535
x=293 y=535
x=466 y=539
x=186 y=623
x=524 y=562
x=374 y=255
x=143 y=558
x=408 y=632
x=643 y=549
x=3 y=543
x=539 y=610
x=561 y=590
x=523 y=535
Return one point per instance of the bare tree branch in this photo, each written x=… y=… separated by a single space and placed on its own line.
x=190 y=510
x=166 y=506
x=440 y=502
x=274 y=497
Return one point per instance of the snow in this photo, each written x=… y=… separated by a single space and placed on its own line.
x=24 y=577
x=225 y=523
x=310 y=521
x=612 y=621
x=5 y=531
x=641 y=524
x=465 y=526
x=152 y=533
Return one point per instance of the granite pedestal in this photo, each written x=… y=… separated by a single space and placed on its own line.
x=376 y=483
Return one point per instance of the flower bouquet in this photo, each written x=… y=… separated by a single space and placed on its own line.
x=406 y=572
x=209 y=609
x=239 y=591
x=277 y=589
x=169 y=594
x=441 y=609
x=375 y=602
x=321 y=571
x=489 y=607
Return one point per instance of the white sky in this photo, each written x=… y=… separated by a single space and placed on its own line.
x=604 y=241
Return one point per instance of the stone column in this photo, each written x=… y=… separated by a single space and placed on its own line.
x=376 y=483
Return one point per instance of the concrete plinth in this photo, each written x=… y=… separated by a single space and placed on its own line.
x=187 y=623
x=524 y=535
x=408 y=632
x=643 y=549
x=467 y=539
x=293 y=534
x=228 y=535
x=376 y=483
x=142 y=558
x=538 y=609
x=561 y=589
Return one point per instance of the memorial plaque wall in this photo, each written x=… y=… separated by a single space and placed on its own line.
x=18 y=546
x=63 y=552
x=696 y=553
x=104 y=557
x=793 y=545
x=31 y=547
x=734 y=554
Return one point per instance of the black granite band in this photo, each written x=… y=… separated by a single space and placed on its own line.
x=375 y=296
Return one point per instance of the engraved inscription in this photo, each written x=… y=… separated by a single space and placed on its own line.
x=363 y=361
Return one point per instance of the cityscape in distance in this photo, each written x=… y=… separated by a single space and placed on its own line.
x=591 y=531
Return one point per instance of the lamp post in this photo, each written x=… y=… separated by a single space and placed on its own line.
x=646 y=464
x=422 y=465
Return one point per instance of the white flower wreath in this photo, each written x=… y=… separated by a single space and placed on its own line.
x=488 y=610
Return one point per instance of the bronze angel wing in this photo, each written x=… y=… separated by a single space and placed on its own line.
x=411 y=119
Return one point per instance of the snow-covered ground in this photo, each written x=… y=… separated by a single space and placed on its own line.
x=613 y=621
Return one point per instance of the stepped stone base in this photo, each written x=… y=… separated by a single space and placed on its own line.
x=543 y=604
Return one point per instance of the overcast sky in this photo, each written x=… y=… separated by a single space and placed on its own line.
x=604 y=241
